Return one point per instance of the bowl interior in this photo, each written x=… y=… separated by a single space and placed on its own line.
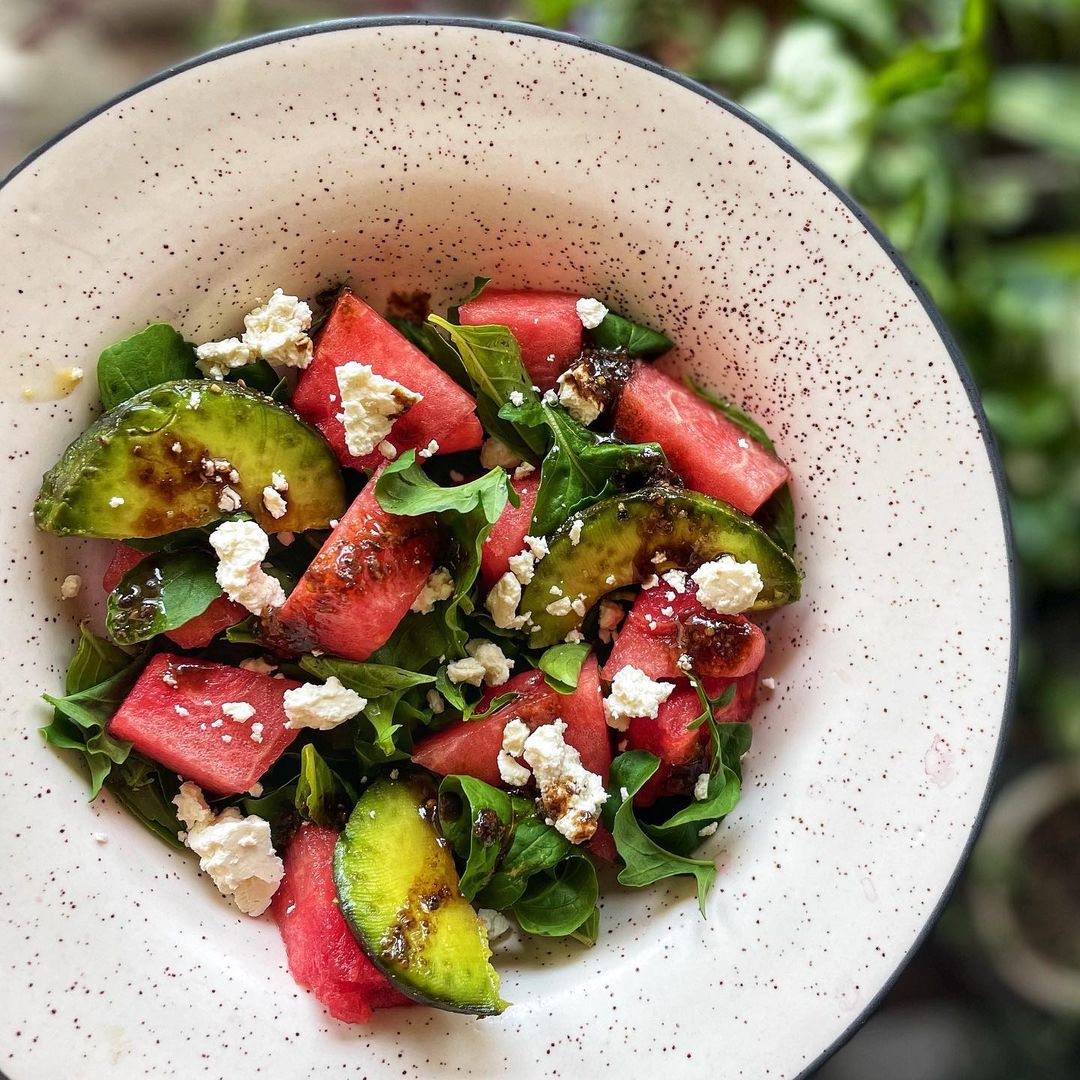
x=413 y=157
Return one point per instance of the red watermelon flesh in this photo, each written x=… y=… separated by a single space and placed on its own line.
x=195 y=633
x=174 y=715
x=710 y=452
x=664 y=624
x=360 y=585
x=355 y=332
x=472 y=748
x=323 y=954
x=545 y=324
x=507 y=536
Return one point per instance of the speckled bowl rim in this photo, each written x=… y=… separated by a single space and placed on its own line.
x=966 y=378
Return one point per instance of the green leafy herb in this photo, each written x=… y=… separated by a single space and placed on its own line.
x=646 y=861
x=160 y=593
x=492 y=359
x=430 y=342
x=478 y=286
x=95 y=660
x=318 y=797
x=589 y=930
x=615 y=332
x=561 y=665
x=559 y=901
x=476 y=818
x=258 y=375
x=535 y=847
x=149 y=358
x=369 y=680
x=145 y=790
x=581 y=466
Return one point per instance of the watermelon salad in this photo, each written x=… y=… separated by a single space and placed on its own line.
x=418 y=627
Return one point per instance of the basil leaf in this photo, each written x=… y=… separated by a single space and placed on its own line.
x=318 y=797
x=161 y=593
x=149 y=358
x=615 y=332
x=96 y=659
x=367 y=679
x=589 y=930
x=534 y=847
x=645 y=860
x=478 y=286
x=561 y=665
x=581 y=466
x=478 y=830
x=556 y=902
x=492 y=359
x=405 y=489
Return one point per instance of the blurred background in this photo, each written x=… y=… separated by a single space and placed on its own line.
x=956 y=124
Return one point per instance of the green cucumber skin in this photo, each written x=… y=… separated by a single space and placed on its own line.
x=620 y=537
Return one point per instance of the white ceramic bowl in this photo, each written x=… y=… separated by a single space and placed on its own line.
x=414 y=155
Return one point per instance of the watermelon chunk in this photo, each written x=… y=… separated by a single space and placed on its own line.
x=172 y=715
x=710 y=452
x=472 y=748
x=195 y=633
x=323 y=954
x=664 y=624
x=356 y=332
x=507 y=536
x=545 y=324
x=360 y=584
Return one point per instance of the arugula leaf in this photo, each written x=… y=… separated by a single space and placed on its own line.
x=369 y=680
x=561 y=665
x=589 y=930
x=437 y=349
x=557 y=902
x=145 y=790
x=581 y=465
x=161 y=593
x=478 y=286
x=492 y=359
x=151 y=357
x=478 y=830
x=318 y=796
x=534 y=847
x=615 y=332
x=95 y=660
x=646 y=861
x=258 y=375
x=418 y=641
x=405 y=489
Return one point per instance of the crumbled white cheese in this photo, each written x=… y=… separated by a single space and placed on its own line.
x=658 y=558
x=369 y=406
x=744 y=444
x=229 y=500
x=181 y=711
x=634 y=694
x=611 y=614
x=502 y=602
x=511 y=772
x=274 y=503
x=709 y=829
x=515 y=733
x=768 y=683
x=256 y=790
x=496 y=924
x=522 y=566
x=241 y=547
x=575 y=399
x=561 y=607
x=168 y=678
x=257 y=663
x=176 y=448
x=523 y=470
x=430 y=450
x=277 y=331
x=70 y=586
x=387 y=449
x=610 y=579
x=439 y=586
x=216 y=359
x=235 y=851
x=550 y=396
x=495 y=663
x=677 y=580
x=115 y=501
x=256 y=732
x=701 y=787
x=321 y=706
x=240 y=711
x=194 y=399
x=278 y=481
x=727 y=586
x=538 y=545
x=570 y=795
x=517 y=397
x=575 y=532
x=435 y=702
x=578 y=605
x=591 y=312
x=650 y=582
x=495 y=452
x=685 y=662
x=467 y=670
x=99 y=838
x=574 y=637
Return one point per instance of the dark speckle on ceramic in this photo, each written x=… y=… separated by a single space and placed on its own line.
x=415 y=156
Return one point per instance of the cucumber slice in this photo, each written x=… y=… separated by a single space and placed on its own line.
x=398 y=890
x=620 y=544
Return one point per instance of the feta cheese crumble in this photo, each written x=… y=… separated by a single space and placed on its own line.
x=257 y=663
x=502 y=602
x=708 y=830
x=235 y=851
x=523 y=470
x=321 y=706
x=677 y=580
x=274 y=502
x=726 y=586
x=430 y=450
x=241 y=547
x=512 y=773
x=570 y=795
x=277 y=331
x=115 y=501
x=561 y=607
x=768 y=683
x=611 y=614
x=278 y=481
x=495 y=452
x=439 y=586
x=495 y=923
x=701 y=787
x=575 y=398
x=240 y=711
x=369 y=406
x=491 y=658
x=215 y=359
x=575 y=532
x=229 y=500
x=70 y=586
x=517 y=397
x=467 y=670
x=435 y=702
x=591 y=312
x=634 y=694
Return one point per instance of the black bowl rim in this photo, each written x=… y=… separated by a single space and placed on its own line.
x=620 y=55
